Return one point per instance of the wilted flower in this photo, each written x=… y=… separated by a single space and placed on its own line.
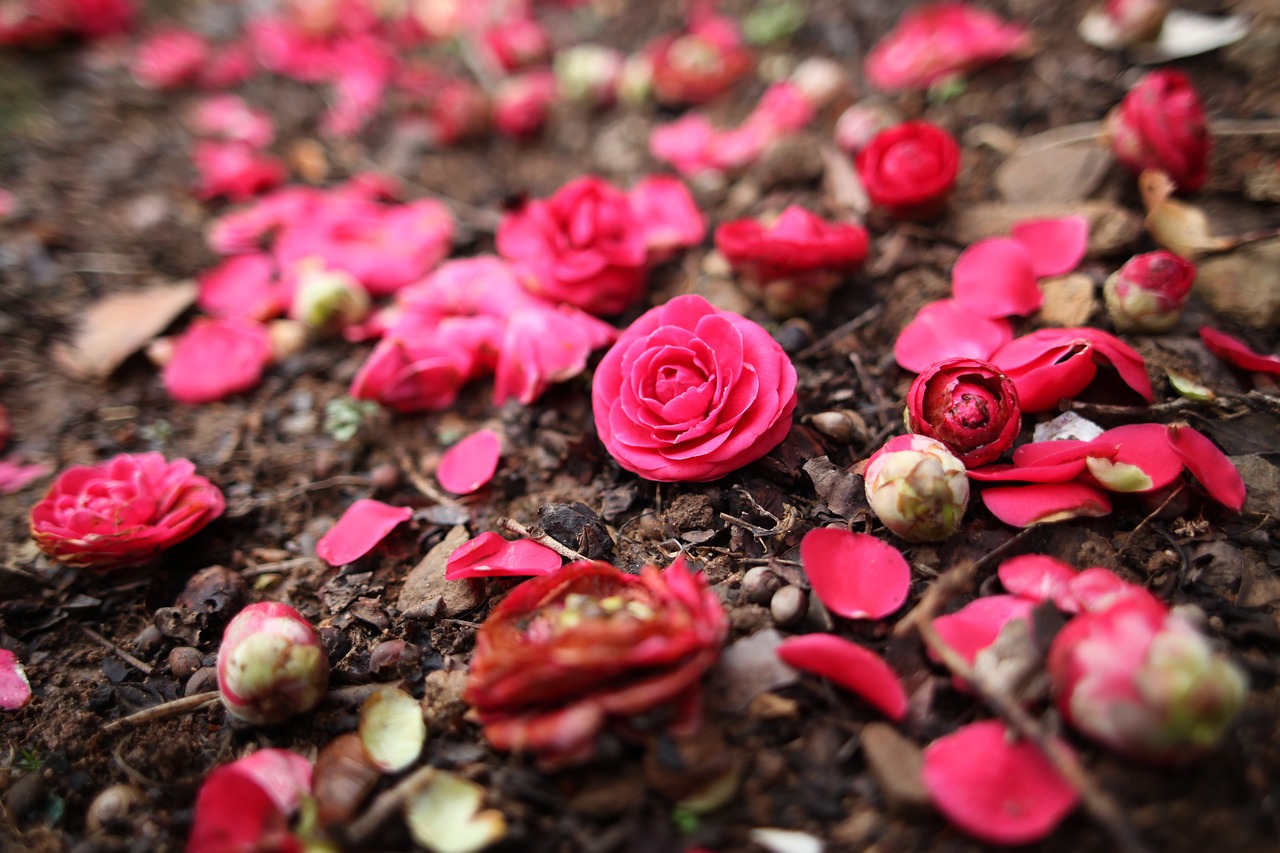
x=271 y=664
x=968 y=405
x=568 y=653
x=909 y=169
x=124 y=511
x=1160 y=124
x=690 y=393
x=246 y=805
x=1144 y=680
x=794 y=262
x=917 y=488
x=935 y=42
x=1147 y=293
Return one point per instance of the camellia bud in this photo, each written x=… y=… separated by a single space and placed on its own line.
x=589 y=73
x=1144 y=680
x=1160 y=125
x=271 y=664
x=328 y=298
x=1147 y=293
x=917 y=488
x=968 y=405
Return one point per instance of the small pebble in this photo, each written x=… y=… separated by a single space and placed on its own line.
x=789 y=606
x=184 y=661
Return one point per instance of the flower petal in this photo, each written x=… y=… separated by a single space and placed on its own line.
x=1043 y=503
x=1209 y=465
x=855 y=575
x=946 y=329
x=996 y=278
x=364 y=524
x=854 y=668
x=1235 y=352
x=471 y=463
x=489 y=555
x=15 y=689
x=1040 y=578
x=975 y=626
x=1056 y=246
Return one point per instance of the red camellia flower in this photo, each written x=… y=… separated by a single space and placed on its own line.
x=693 y=67
x=583 y=246
x=1160 y=124
x=569 y=652
x=909 y=169
x=794 y=262
x=968 y=405
x=1147 y=293
x=690 y=393
x=123 y=511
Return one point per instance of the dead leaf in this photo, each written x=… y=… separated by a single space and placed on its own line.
x=839 y=489
x=843 y=187
x=1187 y=33
x=1112 y=228
x=1177 y=226
x=120 y=324
x=1059 y=165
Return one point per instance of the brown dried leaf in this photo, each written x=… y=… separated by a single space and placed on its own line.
x=118 y=325
x=1059 y=165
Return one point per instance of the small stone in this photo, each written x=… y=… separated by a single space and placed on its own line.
x=184 y=661
x=747 y=668
x=1262 y=483
x=895 y=763
x=760 y=583
x=202 y=681
x=385 y=477
x=1244 y=284
x=789 y=606
x=427 y=595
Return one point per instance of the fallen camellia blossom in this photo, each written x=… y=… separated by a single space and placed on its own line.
x=568 y=653
x=215 y=358
x=1038 y=578
x=169 y=58
x=793 y=262
x=1237 y=353
x=124 y=511
x=939 y=41
x=1052 y=365
x=910 y=169
x=271 y=664
x=247 y=804
x=855 y=575
x=917 y=488
x=364 y=524
x=996 y=277
x=1209 y=465
x=1144 y=680
x=854 y=668
x=412 y=372
x=514 y=42
x=489 y=555
x=1045 y=503
x=945 y=329
x=1056 y=246
x=668 y=214
x=234 y=170
x=15 y=689
x=996 y=789
x=543 y=346
x=689 y=393
x=1160 y=124
x=695 y=66
x=1148 y=293
x=470 y=464
x=521 y=103
x=968 y=405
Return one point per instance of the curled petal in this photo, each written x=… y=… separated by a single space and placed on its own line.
x=471 y=463
x=855 y=575
x=1044 y=503
x=996 y=278
x=1133 y=458
x=854 y=668
x=489 y=555
x=364 y=524
x=1234 y=352
x=1209 y=465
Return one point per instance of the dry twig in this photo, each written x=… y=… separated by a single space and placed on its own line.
x=172 y=708
x=142 y=666
x=510 y=524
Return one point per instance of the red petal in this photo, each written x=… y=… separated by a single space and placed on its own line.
x=1144 y=446
x=976 y=625
x=1056 y=246
x=364 y=524
x=1209 y=465
x=945 y=329
x=215 y=358
x=854 y=668
x=855 y=575
x=995 y=278
x=246 y=805
x=1023 y=506
x=1234 y=351
x=470 y=463
x=489 y=555
x=1097 y=588
x=996 y=791
x=1040 y=578
x=1037 y=473
x=15 y=690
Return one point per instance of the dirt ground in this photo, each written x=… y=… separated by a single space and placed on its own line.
x=101 y=169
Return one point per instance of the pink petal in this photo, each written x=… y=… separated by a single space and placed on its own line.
x=470 y=463
x=16 y=475
x=996 y=278
x=364 y=524
x=243 y=286
x=489 y=555
x=976 y=625
x=1042 y=503
x=1145 y=446
x=246 y=805
x=1056 y=246
x=997 y=791
x=1235 y=352
x=1209 y=465
x=15 y=690
x=859 y=670
x=945 y=329
x=1097 y=588
x=855 y=575
x=215 y=358
x=1040 y=578
x=1059 y=472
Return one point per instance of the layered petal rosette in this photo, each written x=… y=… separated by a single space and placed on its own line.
x=124 y=511
x=968 y=405
x=567 y=653
x=690 y=393
x=910 y=169
x=1160 y=124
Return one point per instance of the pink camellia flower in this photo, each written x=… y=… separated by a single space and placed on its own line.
x=215 y=358
x=946 y=329
x=794 y=262
x=968 y=405
x=855 y=575
x=917 y=488
x=470 y=464
x=1160 y=124
x=170 y=58
x=690 y=393
x=1147 y=293
x=938 y=41
x=669 y=215
x=994 y=788
x=910 y=169
x=490 y=556
x=246 y=805
x=235 y=170
x=521 y=103
x=695 y=66
x=851 y=666
x=425 y=371
x=15 y=688
x=996 y=277
x=584 y=246
x=271 y=664
x=124 y=511
x=1144 y=680
x=545 y=345
x=568 y=653
x=1237 y=353
x=364 y=524
x=1051 y=365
